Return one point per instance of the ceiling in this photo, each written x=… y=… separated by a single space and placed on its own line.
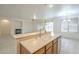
x=26 y=11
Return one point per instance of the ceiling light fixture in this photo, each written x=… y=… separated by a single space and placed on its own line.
x=34 y=16
x=50 y=5
x=5 y=20
x=69 y=20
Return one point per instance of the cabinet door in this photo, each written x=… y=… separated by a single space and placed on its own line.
x=49 y=51
x=23 y=50
x=48 y=45
x=55 y=48
x=59 y=44
x=41 y=51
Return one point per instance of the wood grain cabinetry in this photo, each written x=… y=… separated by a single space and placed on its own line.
x=50 y=48
x=40 y=51
x=23 y=50
x=48 y=45
x=55 y=48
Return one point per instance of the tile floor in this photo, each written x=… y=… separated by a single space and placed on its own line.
x=68 y=46
x=7 y=45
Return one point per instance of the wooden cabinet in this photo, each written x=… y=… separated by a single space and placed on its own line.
x=50 y=48
x=55 y=48
x=59 y=44
x=40 y=51
x=49 y=51
x=23 y=50
x=48 y=45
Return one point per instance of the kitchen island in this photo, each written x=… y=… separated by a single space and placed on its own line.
x=40 y=44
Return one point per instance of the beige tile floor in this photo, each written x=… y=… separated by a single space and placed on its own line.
x=68 y=46
x=7 y=45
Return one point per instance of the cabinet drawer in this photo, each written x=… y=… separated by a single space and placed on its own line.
x=55 y=48
x=40 y=51
x=49 y=51
x=23 y=50
x=54 y=41
x=48 y=45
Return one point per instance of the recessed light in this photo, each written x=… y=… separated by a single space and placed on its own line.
x=5 y=20
x=50 y=5
x=69 y=20
x=64 y=20
x=34 y=16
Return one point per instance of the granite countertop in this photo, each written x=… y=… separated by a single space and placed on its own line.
x=34 y=44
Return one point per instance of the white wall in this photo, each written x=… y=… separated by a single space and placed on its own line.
x=0 y=29
x=5 y=26
x=71 y=35
x=57 y=26
x=15 y=25
x=38 y=26
x=78 y=24
x=27 y=27
x=57 y=29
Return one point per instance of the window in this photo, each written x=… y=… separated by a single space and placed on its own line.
x=69 y=25
x=49 y=27
x=64 y=26
x=72 y=27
